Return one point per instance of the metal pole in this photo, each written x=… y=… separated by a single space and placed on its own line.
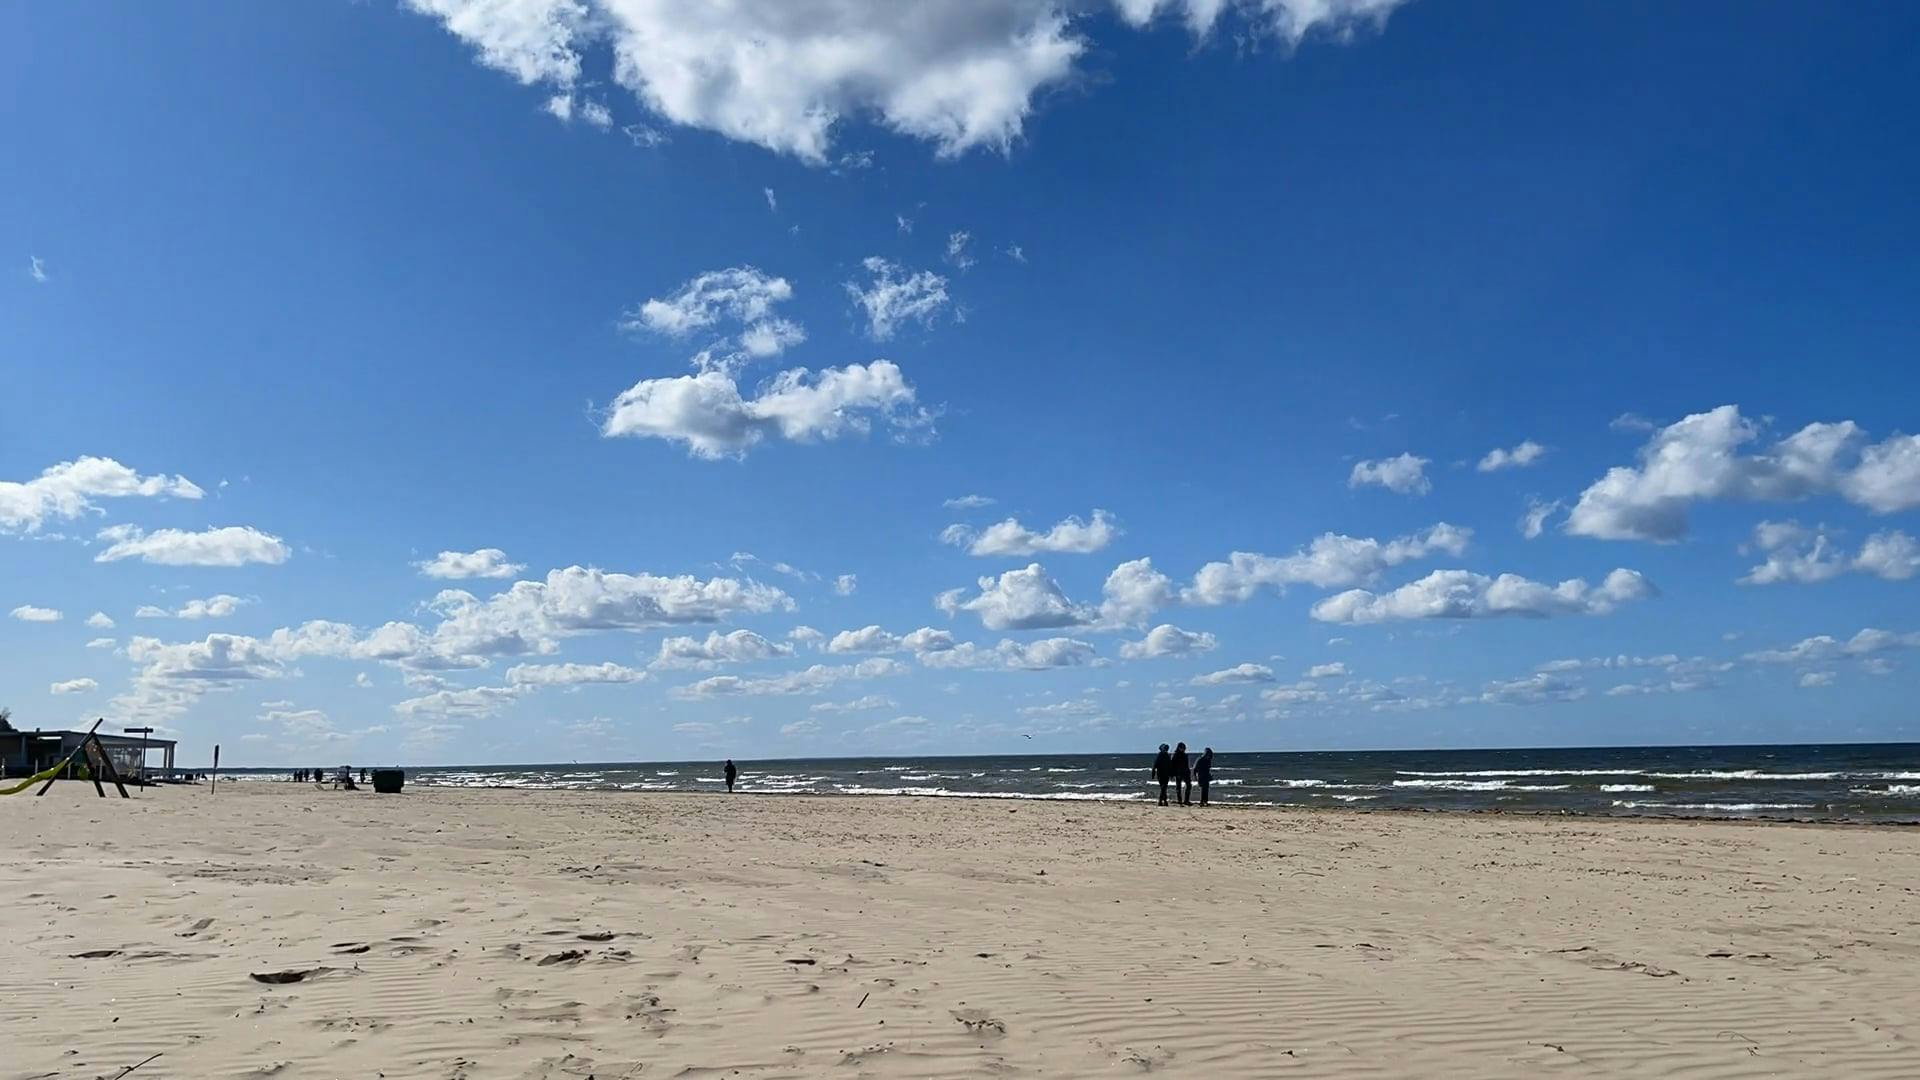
x=143 y=732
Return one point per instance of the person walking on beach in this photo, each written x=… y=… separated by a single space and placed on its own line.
x=1183 y=774
x=1203 y=773
x=1163 y=772
x=731 y=773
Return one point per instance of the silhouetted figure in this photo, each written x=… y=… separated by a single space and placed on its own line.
x=1183 y=774
x=731 y=773
x=1203 y=773
x=363 y=775
x=1163 y=772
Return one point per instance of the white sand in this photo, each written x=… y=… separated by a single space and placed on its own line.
x=986 y=938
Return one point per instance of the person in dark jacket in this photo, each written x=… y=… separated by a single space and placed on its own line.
x=731 y=773
x=1203 y=773
x=1163 y=772
x=1183 y=774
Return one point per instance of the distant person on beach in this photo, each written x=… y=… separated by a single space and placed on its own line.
x=731 y=773
x=1163 y=772
x=1183 y=774
x=1203 y=773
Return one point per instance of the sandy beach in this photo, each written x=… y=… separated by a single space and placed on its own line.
x=476 y=934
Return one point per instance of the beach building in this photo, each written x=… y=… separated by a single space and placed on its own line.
x=24 y=753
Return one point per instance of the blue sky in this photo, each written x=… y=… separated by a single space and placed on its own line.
x=679 y=325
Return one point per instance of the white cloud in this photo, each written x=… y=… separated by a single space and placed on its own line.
x=37 y=269
x=811 y=680
x=1519 y=457
x=29 y=613
x=1009 y=537
x=864 y=703
x=1823 y=648
x=742 y=296
x=806 y=636
x=735 y=647
x=1703 y=457
x=1239 y=673
x=363 y=681
x=151 y=611
x=846 y=585
x=218 y=659
x=957 y=253
x=1534 y=521
x=1537 y=689
x=1024 y=599
x=1808 y=556
x=800 y=728
x=1167 y=640
x=1814 y=679
x=968 y=502
x=1461 y=594
x=1016 y=253
x=1327 y=671
x=100 y=620
x=647 y=138
x=233 y=545
x=74 y=686
x=895 y=297
x=1132 y=593
x=1404 y=475
x=1332 y=561
x=213 y=607
x=773 y=204
x=961 y=74
x=473 y=702
x=102 y=643
x=707 y=412
x=484 y=563
x=1054 y=652
x=873 y=639
x=68 y=490
x=573 y=674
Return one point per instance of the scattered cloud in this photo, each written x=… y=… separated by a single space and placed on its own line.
x=846 y=585
x=1519 y=457
x=707 y=413
x=957 y=253
x=30 y=613
x=773 y=204
x=895 y=297
x=1009 y=537
x=1462 y=594
x=735 y=647
x=1705 y=457
x=1403 y=475
x=70 y=489
x=1332 y=561
x=1540 y=688
x=102 y=643
x=471 y=703
x=1024 y=599
x=1040 y=655
x=1822 y=648
x=233 y=545
x=968 y=502
x=484 y=563
x=800 y=729
x=864 y=703
x=1795 y=553
x=213 y=607
x=1813 y=679
x=1239 y=673
x=573 y=674
x=1534 y=521
x=74 y=686
x=100 y=620
x=1167 y=640
x=1334 y=670
x=812 y=680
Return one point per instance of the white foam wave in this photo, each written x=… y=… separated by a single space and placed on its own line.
x=946 y=793
x=1525 y=772
x=1626 y=787
x=1891 y=791
x=1730 y=808
x=1744 y=774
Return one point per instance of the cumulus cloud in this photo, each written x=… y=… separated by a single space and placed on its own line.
x=1132 y=593
x=484 y=563
x=812 y=680
x=102 y=643
x=1024 y=599
x=968 y=502
x=1167 y=640
x=1534 y=521
x=962 y=74
x=1519 y=457
x=736 y=647
x=1332 y=561
x=30 y=613
x=1404 y=475
x=1538 y=689
x=233 y=545
x=1824 y=648
x=70 y=489
x=1327 y=671
x=1462 y=594
x=572 y=674
x=800 y=728
x=846 y=585
x=958 y=254
x=74 y=686
x=1795 y=553
x=1009 y=537
x=1814 y=679
x=100 y=620
x=894 y=297
x=1054 y=652
x=1706 y=456
x=709 y=415
x=864 y=703
x=213 y=607
x=741 y=299
x=473 y=702
x=1239 y=673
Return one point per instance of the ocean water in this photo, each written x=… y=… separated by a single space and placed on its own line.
x=1851 y=782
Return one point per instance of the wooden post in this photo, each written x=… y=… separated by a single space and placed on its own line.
x=65 y=764
x=112 y=773
x=214 y=780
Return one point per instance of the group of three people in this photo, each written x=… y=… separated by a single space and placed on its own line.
x=1175 y=769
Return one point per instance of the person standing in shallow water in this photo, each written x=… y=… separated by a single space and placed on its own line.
x=1163 y=772
x=1203 y=773
x=731 y=773
x=1183 y=774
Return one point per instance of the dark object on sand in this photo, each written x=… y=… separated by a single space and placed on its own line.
x=388 y=781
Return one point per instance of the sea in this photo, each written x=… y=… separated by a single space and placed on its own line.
x=1856 y=782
